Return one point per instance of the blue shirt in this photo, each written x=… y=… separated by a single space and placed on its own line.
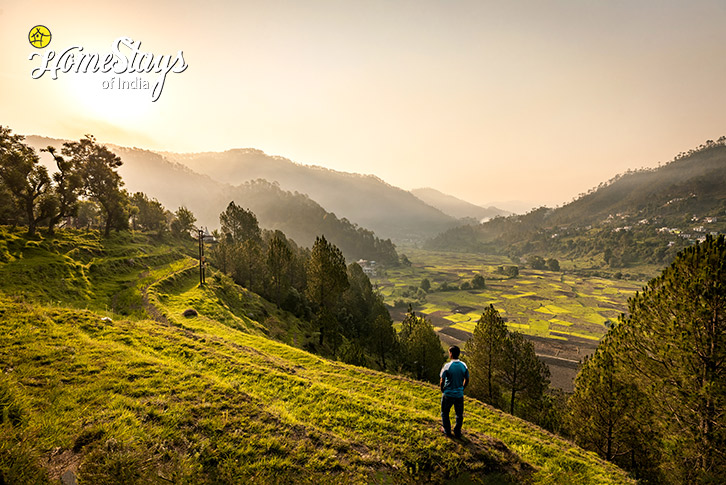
x=454 y=373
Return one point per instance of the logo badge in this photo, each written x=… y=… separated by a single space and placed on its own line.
x=39 y=36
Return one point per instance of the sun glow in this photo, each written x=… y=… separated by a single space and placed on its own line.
x=115 y=99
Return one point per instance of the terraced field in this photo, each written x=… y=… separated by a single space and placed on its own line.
x=564 y=314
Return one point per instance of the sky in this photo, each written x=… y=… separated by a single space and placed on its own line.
x=520 y=103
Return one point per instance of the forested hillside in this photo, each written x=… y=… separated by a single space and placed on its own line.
x=643 y=216
x=363 y=199
x=692 y=184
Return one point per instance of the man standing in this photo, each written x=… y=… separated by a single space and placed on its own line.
x=454 y=378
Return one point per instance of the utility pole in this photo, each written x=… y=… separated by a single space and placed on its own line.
x=202 y=263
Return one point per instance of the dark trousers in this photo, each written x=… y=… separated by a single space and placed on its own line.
x=446 y=403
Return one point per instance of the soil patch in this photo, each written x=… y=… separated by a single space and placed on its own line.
x=456 y=333
x=561 y=376
x=438 y=318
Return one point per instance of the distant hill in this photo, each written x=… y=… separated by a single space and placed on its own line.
x=366 y=200
x=296 y=214
x=694 y=183
x=455 y=207
x=642 y=216
x=302 y=219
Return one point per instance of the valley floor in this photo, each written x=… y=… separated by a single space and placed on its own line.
x=563 y=314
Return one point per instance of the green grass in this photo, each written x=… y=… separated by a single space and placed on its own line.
x=216 y=404
x=212 y=399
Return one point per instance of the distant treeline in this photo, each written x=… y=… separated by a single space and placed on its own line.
x=301 y=219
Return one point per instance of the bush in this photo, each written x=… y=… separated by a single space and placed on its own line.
x=510 y=271
x=478 y=282
x=537 y=262
x=553 y=264
x=425 y=285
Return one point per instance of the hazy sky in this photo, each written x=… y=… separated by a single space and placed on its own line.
x=490 y=101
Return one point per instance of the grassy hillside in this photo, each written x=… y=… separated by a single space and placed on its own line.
x=128 y=275
x=156 y=397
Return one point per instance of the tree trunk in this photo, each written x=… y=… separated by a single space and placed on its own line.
x=52 y=221
x=107 y=228
x=609 y=443
x=322 y=329
x=31 y=216
x=514 y=391
x=489 y=376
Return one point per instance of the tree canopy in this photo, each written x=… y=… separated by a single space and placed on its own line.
x=667 y=357
x=102 y=183
x=421 y=350
x=239 y=224
x=23 y=177
x=504 y=364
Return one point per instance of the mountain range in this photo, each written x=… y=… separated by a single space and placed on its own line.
x=207 y=182
x=455 y=207
x=366 y=200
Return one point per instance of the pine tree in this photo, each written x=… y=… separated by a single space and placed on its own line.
x=239 y=224
x=607 y=412
x=483 y=353
x=674 y=343
x=279 y=259
x=327 y=279
x=521 y=370
x=421 y=350
x=383 y=339
x=249 y=265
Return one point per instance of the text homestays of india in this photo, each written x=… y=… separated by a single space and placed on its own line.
x=124 y=58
